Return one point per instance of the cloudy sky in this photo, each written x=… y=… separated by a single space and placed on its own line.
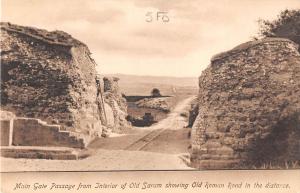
x=122 y=41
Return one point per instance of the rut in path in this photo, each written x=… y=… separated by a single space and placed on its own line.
x=174 y=121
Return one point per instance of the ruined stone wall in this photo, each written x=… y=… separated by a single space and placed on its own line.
x=116 y=106
x=50 y=76
x=249 y=107
x=20 y=131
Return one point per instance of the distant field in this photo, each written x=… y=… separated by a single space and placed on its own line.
x=135 y=111
x=178 y=88
x=142 y=85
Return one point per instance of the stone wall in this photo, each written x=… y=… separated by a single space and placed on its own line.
x=249 y=107
x=20 y=131
x=116 y=106
x=49 y=76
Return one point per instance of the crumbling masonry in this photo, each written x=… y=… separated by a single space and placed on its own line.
x=50 y=76
x=249 y=107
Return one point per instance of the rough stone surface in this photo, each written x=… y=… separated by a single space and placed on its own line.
x=249 y=107
x=48 y=75
x=117 y=103
x=51 y=76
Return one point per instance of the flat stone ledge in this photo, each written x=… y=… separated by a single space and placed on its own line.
x=34 y=152
x=216 y=164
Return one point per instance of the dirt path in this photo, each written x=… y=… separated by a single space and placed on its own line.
x=174 y=121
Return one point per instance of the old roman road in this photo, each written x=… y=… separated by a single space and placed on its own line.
x=155 y=138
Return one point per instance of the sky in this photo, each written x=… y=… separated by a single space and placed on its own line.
x=123 y=40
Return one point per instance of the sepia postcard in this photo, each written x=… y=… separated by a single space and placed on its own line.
x=150 y=96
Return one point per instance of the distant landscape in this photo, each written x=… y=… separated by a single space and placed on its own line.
x=142 y=85
x=134 y=87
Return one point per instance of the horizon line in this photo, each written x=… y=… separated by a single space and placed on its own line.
x=141 y=75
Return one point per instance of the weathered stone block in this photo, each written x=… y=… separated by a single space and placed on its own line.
x=5 y=129
x=38 y=153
